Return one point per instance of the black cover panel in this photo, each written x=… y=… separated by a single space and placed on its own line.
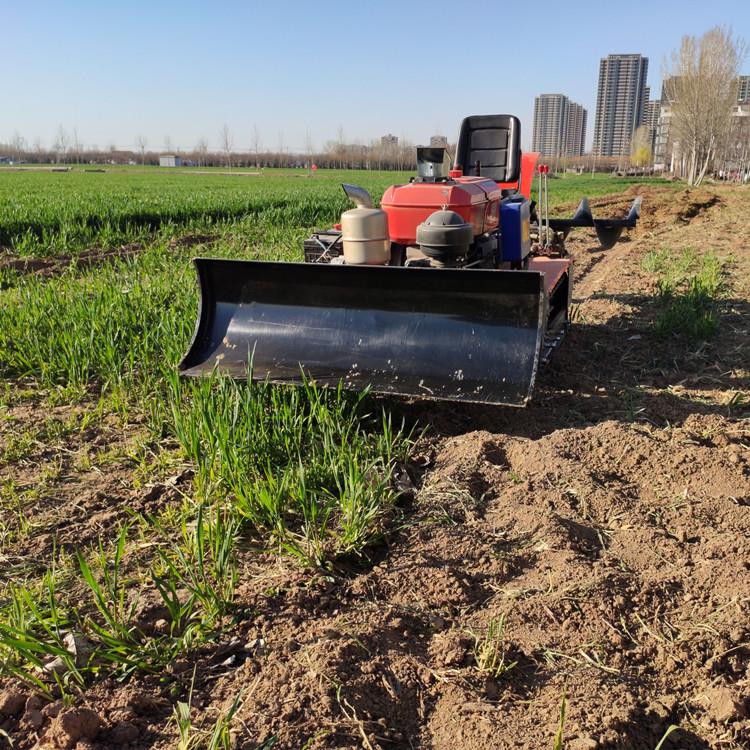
x=457 y=334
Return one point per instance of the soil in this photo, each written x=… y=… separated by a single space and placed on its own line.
x=608 y=524
x=60 y=263
x=94 y=256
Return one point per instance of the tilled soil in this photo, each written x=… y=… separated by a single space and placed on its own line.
x=57 y=264
x=607 y=525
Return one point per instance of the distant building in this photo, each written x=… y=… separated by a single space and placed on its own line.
x=620 y=103
x=389 y=140
x=576 y=136
x=743 y=90
x=170 y=160
x=550 y=116
x=559 y=126
x=662 y=146
x=439 y=140
x=651 y=120
x=664 y=149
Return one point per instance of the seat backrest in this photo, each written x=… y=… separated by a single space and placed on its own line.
x=495 y=142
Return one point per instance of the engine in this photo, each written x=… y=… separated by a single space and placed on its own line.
x=436 y=220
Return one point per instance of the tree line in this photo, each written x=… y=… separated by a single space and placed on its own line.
x=336 y=154
x=707 y=133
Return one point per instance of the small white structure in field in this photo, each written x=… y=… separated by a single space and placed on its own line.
x=170 y=160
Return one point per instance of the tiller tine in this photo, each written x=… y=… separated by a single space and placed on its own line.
x=462 y=335
x=607 y=230
x=581 y=218
x=608 y=233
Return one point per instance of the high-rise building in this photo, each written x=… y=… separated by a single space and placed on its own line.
x=550 y=119
x=559 y=126
x=743 y=90
x=576 y=137
x=620 y=102
x=439 y=140
x=389 y=140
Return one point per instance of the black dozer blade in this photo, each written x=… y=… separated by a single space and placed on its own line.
x=607 y=230
x=455 y=334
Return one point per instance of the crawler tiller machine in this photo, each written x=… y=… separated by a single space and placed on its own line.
x=456 y=288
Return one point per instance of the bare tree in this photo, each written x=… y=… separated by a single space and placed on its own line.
x=701 y=82
x=340 y=146
x=309 y=151
x=201 y=148
x=77 y=148
x=61 y=144
x=738 y=153
x=141 y=141
x=256 y=144
x=281 y=148
x=226 y=144
x=16 y=146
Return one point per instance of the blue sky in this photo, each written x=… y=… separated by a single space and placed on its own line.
x=113 y=70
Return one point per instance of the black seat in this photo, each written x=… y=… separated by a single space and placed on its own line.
x=495 y=142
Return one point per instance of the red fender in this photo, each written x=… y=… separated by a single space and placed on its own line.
x=528 y=167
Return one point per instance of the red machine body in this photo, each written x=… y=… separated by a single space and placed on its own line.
x=476 y=199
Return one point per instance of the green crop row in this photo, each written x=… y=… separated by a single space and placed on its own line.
x=50 y=213
x=63 y=213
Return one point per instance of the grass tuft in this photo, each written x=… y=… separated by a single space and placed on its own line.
x=559 y=743
x=308 y=469
x=671 y=728
x=203 y=563
x=490 y=650
x=688 y=287
x=191 y=737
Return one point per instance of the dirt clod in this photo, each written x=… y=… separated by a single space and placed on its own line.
x=583 y=743
x=724 y=704
x=123 y=733
x=11 y=702
x=69 y=727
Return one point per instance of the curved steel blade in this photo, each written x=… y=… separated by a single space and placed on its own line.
x=464 y=335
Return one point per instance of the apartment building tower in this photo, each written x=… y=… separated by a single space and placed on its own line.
x=576 y=136
x=559 y=126
x=620 y=102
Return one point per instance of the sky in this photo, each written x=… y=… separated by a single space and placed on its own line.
x=113 y=70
